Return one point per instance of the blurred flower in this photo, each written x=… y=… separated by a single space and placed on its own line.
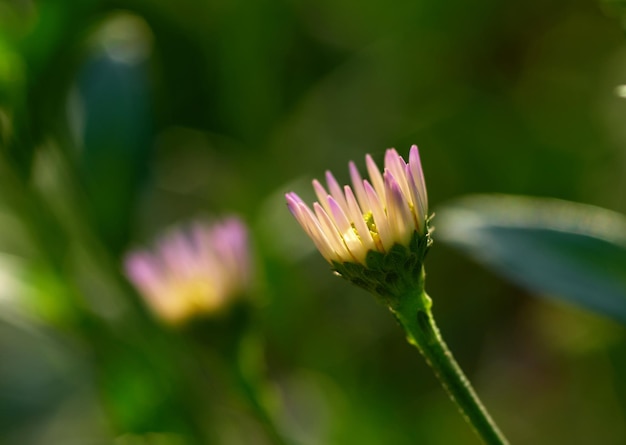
x=377 y=235
x=346 y=225
x=194 y=270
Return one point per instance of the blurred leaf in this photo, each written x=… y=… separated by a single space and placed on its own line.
x=43 y=60
x=38 y=373
x=113 y=120
x=557 y=249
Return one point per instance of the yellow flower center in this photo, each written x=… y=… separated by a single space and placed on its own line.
x=197 y=295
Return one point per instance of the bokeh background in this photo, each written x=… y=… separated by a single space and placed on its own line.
x=121 y=118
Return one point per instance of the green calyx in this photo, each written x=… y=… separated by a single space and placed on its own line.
x=390 y=275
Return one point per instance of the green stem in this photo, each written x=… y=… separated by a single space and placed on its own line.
x=244 y=352
x=236 y=352
x=415 y=316
x=251 y=390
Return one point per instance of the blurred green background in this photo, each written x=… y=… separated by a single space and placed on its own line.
x=119 y=118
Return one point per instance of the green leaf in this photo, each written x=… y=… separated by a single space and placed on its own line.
x=556 y=249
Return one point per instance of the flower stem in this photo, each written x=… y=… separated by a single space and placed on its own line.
x=252 y=392
x=416 y=318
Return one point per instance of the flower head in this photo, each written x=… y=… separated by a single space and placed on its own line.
x=386 y=216
x=193 y=270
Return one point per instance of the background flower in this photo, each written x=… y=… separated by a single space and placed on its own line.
x=193 y=270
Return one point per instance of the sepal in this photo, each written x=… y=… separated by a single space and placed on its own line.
x=390 y=275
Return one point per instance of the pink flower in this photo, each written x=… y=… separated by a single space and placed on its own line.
x=193 y=270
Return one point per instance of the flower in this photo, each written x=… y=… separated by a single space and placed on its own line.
x=193 y=270
x=345 y=225
x=377 y=235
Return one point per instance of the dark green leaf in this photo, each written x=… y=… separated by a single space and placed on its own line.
x=555 y=248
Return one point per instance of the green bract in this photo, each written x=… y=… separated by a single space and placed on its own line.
x=390 y=275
